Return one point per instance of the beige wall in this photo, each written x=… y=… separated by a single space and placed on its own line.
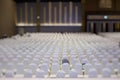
x=7 y=13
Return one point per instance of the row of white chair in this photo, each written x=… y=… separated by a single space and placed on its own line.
x=45 y=51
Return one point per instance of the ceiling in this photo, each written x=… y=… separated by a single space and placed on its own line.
x=21 y=1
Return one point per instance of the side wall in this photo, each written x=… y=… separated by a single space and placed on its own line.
x=7 y=15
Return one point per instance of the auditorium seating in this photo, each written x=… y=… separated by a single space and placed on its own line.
x=40 y=55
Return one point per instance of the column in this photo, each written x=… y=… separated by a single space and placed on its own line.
x=31 y=12
x=110 y=26
x=83 y=15
x=26 y=12
x=50 y=11
x=55 y=15
x=21 y=15
x=60 y=12
x=44 y=12
x=76 y=14
x=98 y=28
x=88 y=27
x=104 y=27
x=38 y=15
x=65 y=14
x=70 y=10
x=117 y=27
x=92 y=27
x=16 y=18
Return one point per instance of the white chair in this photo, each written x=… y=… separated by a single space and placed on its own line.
x=40 y=74
x=110 y=66
x=92 y=73
x=87 y=67
x=46 y=61
x=60 y=74
x=36 y=61
x=84 y=61
x=98 y=66
x=74 y=61
x=73 y=73
x=66 y=67
x=10 y=66
x=115 y=61
x=106 y=72
x=15 y=60
x=94 y=61
x=20 y=68
x=33 y=67
x=55 y=60
x=9 y=74
x=26 y=62
x=28 y=73
x=104 y=61
x=55 y=68
x=44 y=67
x=78 y=68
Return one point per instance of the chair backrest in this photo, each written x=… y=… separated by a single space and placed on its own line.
x=55 y=68
x=106 y=72
x=44 y=67
x=10 y=66
x=33 y=66
x=20 y=68
x=98 y=66
x=78 y=68
x=66 y=67
x=9 y=74
x=92 y=73
x=40 y=74
x=60 y=74
x=73 y=73
x=28 y=73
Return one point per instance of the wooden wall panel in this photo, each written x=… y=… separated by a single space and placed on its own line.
x=7 y=17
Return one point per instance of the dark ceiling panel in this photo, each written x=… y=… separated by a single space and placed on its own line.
x=60 y=0
x=22 y=1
